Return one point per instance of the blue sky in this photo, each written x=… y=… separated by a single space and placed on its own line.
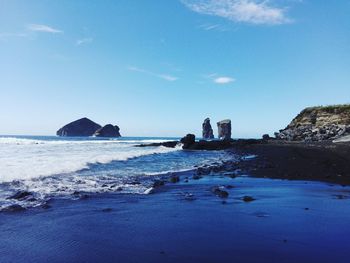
x=159 y=68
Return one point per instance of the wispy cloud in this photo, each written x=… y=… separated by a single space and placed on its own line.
x=224 y=80
x=245 y=11
x=9 y=35
x=216 y=27
x=83 y=41
x=43 y=28
x=162 y=76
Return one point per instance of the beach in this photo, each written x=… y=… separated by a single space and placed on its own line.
x=318 y=161
x=290 y=221
x=190 y=220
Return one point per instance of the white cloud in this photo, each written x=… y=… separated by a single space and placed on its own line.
x=84 y=41
x=162 y=76
x=43 y=28
x=246 y=11
x=223 y=80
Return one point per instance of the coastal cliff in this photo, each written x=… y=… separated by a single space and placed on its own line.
x=318 y=124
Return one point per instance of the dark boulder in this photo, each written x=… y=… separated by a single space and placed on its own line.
x=108 y=131
x=207 y=132
x=158 y=183
x=219 y=192
x=188 y=140
x=170 y=144
x=20 y=195
x=81 y=127
x=210 y=145
x=13 y=208
x=224 y=129
x=266 y=138
x=174 y=179
x=248 y=198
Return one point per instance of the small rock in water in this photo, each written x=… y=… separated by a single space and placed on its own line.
x=174 y=179
x=341 y=196
x=203 y=171
x=107 y=209
x=80 y=195
x=45 y=206
x=261 y=214
x=248 y=198
x=20 y=195
x=13 y=208
x=196 y=177
x=189 y=197
x=219 y=192
x=158 y=183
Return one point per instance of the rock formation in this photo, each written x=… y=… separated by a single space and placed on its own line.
x=207 y=132
x=224 y=129
x=188 y=140
x=81 y=127
x=108 y=131
x=318 y=124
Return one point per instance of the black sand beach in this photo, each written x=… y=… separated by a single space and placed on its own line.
x=320 y=161
x=260 y=220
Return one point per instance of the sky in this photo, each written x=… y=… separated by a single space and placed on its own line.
x=159 y=68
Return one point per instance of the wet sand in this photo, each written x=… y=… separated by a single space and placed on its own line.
x=328 y=162
x=290 y=221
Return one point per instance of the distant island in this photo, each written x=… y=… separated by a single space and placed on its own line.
x=86 y=127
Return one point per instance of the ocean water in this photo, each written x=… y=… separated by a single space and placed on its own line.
x=58 y=167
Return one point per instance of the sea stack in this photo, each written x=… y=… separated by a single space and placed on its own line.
x=81 y=127
x=108 y=131
x=224 y=129
x=207 y=132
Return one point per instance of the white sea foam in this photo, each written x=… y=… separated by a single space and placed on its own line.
x=22 y=159
x=50 y=167
x=23 y=141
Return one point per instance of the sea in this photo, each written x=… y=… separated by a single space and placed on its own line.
x=65 y=167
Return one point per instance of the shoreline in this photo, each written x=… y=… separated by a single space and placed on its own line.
x=317 y=161
x=325 y=162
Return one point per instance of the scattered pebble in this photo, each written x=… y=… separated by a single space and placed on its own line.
x=174 y=179
x=248 y=198
x=158 y=183
x=341 y=196
x=219 y=192
x=189 y=197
